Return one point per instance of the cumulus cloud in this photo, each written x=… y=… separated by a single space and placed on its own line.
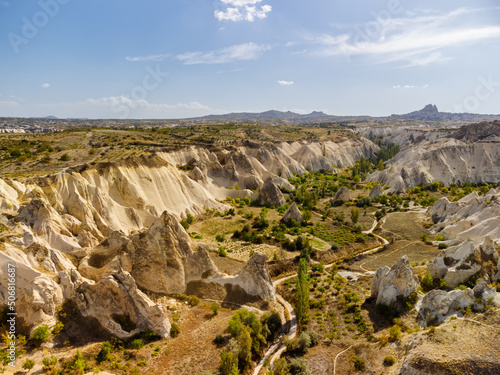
x=410 y=87
x=160 y=57
x=46 y=85
x=286 y=83
x=242 y=10
x=417 y=40
x=245 y=51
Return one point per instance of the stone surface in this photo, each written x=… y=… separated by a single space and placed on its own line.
x=439 y=303
x=376 y=191
x=113 y=298
x=400 y=280
x=293 y=213
x=342 y=195
x=271 y=195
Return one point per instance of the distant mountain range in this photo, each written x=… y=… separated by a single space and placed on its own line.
x=429 y=113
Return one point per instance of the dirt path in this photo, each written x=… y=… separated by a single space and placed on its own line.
x=338 y=355
x=273 y=351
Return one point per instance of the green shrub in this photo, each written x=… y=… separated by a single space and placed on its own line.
x=214 y=307
x=222 y=252
x=427 y=282
x=220 y=238
x=194 y=300
x=175 y=330
x=359 y=363
x=28 y=364
x=65 y=157
x=389 y=361
x=41 y=334
x=105 y=351
x=304 y=342
x=424 y=237
x=395 y=333
x=137 y=344
x=58 y=328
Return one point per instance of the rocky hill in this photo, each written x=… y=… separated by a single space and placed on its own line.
x=103 y=236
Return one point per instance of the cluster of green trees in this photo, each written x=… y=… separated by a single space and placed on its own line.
x=249 y=335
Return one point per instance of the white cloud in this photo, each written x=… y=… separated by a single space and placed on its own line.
x=410 y=87
x=160 y=57
x=9 y=104
x=286 y=83
x=245 y=51
x=118 y=101
x=240 y=3
x=418 y=40
x=242 y=10
x=46 y=85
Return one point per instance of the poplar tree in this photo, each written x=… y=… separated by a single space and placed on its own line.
x=302 y=292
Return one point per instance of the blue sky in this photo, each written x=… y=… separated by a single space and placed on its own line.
x=187 y=58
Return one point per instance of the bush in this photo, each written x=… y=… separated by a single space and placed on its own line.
x=389 y=361
x=175 y=330
x=335 y=246
x=214 y=307
x=298 y=366
x=359 y=363
x=137 y=344
x=65 y=157
x=194 y=300
x=427 y=282
x=304 y=342
x=105 y=351
x=41 y=334
x=442 y=246
x=28 y=364
x=58 y=328
x=49 y=362
x=222 y=252
x=395 y=333
x=424 y=237
x=220 y=238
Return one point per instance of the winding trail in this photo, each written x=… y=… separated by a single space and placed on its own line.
x=277 y=348
x=335 y=361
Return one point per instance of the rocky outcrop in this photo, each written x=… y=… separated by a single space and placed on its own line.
x=253 y=282
x=459 y=263
x=293 y=213
x=341 y=196
x=473 y=217
x=117 y=303
x=38 y=302
x=376 y=191
x=438 y=304
x=271 y=195
x=400 y=280
x=162 y=258
x=447 y=161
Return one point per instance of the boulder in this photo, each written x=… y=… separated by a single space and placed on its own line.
x=270 y=194
x=117 y=303
x=163 y=260
x=376 y=191
x=39 y=301
x=439 y=303
x=252 y=283
x=459 y=263
x=400 y=280
x=293 y=213
x=341 y=196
